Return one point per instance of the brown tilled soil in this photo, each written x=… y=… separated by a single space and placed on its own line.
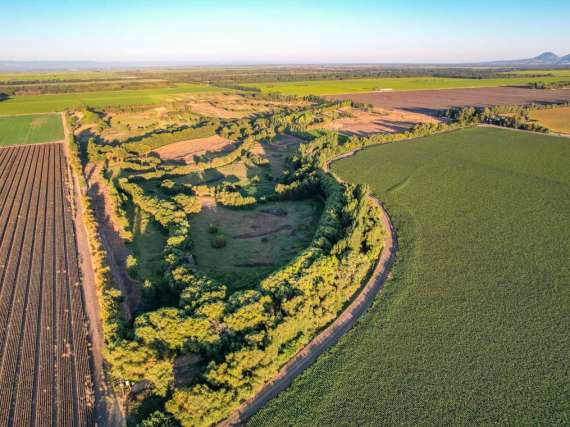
x=432 y=101
x=186 y=150
x=46 y=370
x=362 y=123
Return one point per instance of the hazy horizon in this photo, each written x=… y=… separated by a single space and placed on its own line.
x=288 y=32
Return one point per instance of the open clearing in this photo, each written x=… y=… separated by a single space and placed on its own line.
x=186 y=150
x=45 y=368
x=60 y=102
x=30 y=129
x=431 y=101
x=472 y=330
x=335 y=87
x=363 y=123
x=557 y=119
x=259 y=240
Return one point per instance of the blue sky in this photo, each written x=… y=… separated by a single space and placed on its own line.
x=282 y=31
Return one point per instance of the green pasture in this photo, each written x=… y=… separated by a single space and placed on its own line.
x=60 y=102
x=337 y=87
x=62 y=76
x=16 y=130
x=473 y=327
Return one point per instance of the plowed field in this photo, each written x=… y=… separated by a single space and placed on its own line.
x=45 y=366
x=431 y=101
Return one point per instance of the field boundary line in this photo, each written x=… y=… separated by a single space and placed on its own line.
x=34 y=144
x=332 y=333
x=555 y=134
x=105 y=411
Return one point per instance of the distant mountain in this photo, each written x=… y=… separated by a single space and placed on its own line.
x=544 y=59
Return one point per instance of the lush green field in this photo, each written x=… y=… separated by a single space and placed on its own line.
x=557 y=120
x=60 y=102
x=18 y=130
x=60 y=76
x=557 y=73
x=335 y=87
x=473 y=328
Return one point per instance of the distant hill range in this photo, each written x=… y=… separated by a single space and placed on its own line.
x=545 y=59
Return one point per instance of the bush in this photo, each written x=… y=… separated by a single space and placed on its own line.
x=219 y=242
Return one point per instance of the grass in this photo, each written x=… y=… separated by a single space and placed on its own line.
x=19 y=130
x=147 y=246
x=62 y=76
x=244 y=261
x=336 y=87
x=557 y=120
x=473 y=328
x=60 y=102
x=557 y=73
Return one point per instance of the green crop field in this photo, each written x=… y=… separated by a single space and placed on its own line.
x=59 y=102
x=62 y=76
x=32 y=129
x=558 y=73
x=336 y=87
x=557 y=119
x=473 y=327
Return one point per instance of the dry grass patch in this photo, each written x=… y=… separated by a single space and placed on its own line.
x=186 y=150
x=363 y=123
x=557 y=119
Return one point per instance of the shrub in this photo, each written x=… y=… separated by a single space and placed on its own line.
x=219 y=242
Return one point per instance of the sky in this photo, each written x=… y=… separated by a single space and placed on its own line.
x=254 y=31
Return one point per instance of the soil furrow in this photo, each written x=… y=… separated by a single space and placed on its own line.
x=14 y=292
x=44 y=409
x=25 y=396
x=22 y=384
x=9 y=191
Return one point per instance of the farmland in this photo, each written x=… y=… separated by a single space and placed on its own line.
x=223 y=247
x=556 y=119
x=46 y=374
x=30 y=129
x=62 y=76
x=431 y=101
x=336 y=87
x=471 y=330
x=68 y=101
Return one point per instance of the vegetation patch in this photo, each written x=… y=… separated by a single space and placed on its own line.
x=33 y=129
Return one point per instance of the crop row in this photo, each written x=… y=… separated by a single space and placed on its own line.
x=45 y=372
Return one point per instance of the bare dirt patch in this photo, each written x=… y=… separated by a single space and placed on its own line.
x=363 y=123
x=186 y=150
x=227 y=106
x=432 y=101
x=556 y=119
